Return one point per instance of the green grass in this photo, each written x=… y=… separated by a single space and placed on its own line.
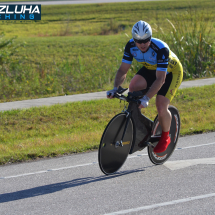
x=78 y=71
x=77 y=127
x=78 y=48
x=99 y=19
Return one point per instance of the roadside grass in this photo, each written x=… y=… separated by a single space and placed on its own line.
x=78 y=48
x=104 y=18
x=63 y=67
x=77 y=127
x=59 y=66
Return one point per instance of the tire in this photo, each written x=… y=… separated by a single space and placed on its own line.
x=110 y=157
x=160 y=158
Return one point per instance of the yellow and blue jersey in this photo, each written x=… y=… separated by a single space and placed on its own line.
x=157 y=57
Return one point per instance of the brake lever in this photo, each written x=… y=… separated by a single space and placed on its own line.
x=121 y=90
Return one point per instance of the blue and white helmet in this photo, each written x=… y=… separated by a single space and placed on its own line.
x=141 y=31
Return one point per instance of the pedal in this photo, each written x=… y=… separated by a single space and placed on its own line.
x=154 y=139
x=150 y=144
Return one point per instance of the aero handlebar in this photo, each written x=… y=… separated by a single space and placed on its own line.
x=132 y=97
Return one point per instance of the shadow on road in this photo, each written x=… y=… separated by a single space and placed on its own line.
x=51 y=188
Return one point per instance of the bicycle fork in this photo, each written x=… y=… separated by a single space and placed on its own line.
x=120 y=143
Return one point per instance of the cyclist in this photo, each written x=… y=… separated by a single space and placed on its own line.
x=162 y=74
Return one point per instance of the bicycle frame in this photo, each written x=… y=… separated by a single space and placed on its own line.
x=137 y=132
x=142 y=128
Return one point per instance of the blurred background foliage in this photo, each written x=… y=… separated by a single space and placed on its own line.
x=78 y=48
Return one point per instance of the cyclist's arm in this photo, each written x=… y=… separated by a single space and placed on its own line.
x=121 y=74
x=160 y=80
x=125 y=65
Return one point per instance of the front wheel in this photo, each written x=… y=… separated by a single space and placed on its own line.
x=112 y=155
x=160 y=158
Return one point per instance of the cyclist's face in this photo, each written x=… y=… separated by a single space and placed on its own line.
x=143 y=46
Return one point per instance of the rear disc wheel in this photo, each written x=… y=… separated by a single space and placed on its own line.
x=160 y=158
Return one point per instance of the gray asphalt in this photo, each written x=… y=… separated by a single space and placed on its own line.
x=83 y=97
x=75 y=185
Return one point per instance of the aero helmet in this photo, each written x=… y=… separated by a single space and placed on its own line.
x=141 y=31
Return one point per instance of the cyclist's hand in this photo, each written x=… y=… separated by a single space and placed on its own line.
x=111 y=93
x=144 y=102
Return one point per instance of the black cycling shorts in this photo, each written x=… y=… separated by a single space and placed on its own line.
x=150 y=77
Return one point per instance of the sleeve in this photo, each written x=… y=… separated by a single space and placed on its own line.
x=127 y=57
x=162 y=59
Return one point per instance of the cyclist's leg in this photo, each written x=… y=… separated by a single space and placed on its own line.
x=137 y=83
x=143 y=79
x=163 y=99
x=164 y=115
x=166 y=94
x=177 y=77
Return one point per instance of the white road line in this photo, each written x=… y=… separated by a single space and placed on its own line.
x=189 y=147
x=88 y=164
x=180 y=164
x=49 y=170
x=163 y=204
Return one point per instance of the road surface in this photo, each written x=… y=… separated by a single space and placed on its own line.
x=75 y=185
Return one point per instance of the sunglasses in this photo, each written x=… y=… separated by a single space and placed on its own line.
x=142 y=41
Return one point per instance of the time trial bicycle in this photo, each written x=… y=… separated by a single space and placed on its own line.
x=131 y=131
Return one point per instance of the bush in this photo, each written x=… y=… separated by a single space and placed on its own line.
x=191 y=41
x=9 y=65
x=8 y=48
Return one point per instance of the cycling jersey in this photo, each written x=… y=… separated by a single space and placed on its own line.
x=157 y=57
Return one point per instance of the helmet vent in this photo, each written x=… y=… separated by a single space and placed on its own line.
x=137 y=27
x=141 y=30
x=144 y=27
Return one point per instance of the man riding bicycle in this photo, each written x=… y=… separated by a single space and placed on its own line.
x=162 y=74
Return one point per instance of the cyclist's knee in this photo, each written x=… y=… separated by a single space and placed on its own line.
x=137 y=83
x=161 y=110
x=132 y=87
x=162 y=104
